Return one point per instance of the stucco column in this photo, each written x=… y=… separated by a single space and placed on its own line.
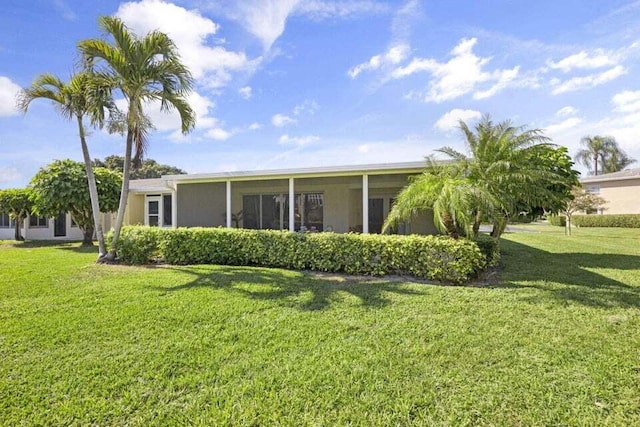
x=292 y=206
x=228 y=204
x=174 y=208
x=365 y=204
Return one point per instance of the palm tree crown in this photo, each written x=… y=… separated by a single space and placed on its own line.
x=144 y=69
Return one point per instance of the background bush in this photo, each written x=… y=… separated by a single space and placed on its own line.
x=622 y=220
x=558 y=220
x=429 y=257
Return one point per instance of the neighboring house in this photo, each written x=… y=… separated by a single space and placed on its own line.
x=621 y=190
x=340 y=199
x=39 y=228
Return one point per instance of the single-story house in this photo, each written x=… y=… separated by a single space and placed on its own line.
x=621 y=190
x=339 y=199
x=35 y=227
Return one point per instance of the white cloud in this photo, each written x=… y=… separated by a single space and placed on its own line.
x=308 y=107
x=459 y=76
x=627 y=101
x=219 y=134
x=8 y=92
x=316 y=9
x=563 y=125
x=245 y=92
x=450 y=120
x=504 y=79
x=393 y=56
x=210 y=64
x=9 y=174
x=280 y=120
x=583 y=59
x=299 y=141
x=566 y=111
x=265 y=19
x=255 y=126
x=587 y=82
x=65 y=10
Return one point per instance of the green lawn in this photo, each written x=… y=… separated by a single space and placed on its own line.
x=556 y=343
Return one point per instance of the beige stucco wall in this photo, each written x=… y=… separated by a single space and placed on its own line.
x=134 y=214
x=623 y=197
x=202 y=205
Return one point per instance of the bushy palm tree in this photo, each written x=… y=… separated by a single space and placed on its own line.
x=602 y=151
x=499 y=174
x=498 y=163
x=84 y=95
x=144 y=69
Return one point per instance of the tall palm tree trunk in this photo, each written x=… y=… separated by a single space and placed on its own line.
x=595 y=163
x=124 y=195
x=93 y=193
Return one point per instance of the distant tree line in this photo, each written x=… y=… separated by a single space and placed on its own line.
x=148 y=168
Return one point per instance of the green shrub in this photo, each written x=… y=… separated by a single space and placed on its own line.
x=557 y=220
x=427 y=257
x=137 y=244
x=490 y=248
x=622 y=220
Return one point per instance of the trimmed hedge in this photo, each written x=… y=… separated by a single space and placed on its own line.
x=558 y=220
x=427 y=257
x=622 y=220
x=490 y=248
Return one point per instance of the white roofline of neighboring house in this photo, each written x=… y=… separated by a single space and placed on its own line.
x=615 y=176
x=314 y=172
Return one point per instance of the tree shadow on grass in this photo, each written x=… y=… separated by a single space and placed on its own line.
x=301 y=290
x=66 y=245
x=569 y=277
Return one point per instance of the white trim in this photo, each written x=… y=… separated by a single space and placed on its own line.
x=365 y=204
x=174 y=209
x=228 y=204
x=292 y=202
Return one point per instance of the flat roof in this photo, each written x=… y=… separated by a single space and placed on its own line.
x=614 y=176
x=321 y=171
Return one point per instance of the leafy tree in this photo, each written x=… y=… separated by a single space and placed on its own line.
x=603 y=151
x=17 y=203
x=551 y=195
x=62 y=187
x=148 y=168
x=85 y=95
x=581 y=200
x=143 y=69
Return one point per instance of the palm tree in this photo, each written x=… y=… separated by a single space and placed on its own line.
x=450 y=195
x=83 y=96
x=596 y=149
x=143 y=69
x=499 y=167
x=617 y=161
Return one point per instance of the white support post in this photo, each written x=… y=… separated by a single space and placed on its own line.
x=174 y=208
x=228 y=204
x=292 y=206
x=365 y=204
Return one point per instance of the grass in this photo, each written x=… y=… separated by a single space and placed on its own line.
x=555 y=343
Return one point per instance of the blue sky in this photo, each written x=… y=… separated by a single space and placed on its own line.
x=298 y=83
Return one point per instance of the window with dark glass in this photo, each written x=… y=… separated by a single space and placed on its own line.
x=154 y=213
x=38 y=221
x=271 y=211
x=167 y=211
x=5 y=221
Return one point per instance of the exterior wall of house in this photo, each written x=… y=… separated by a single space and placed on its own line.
x=623 y=196
x=202 y=205
x=134 y=214
x=46 y=233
